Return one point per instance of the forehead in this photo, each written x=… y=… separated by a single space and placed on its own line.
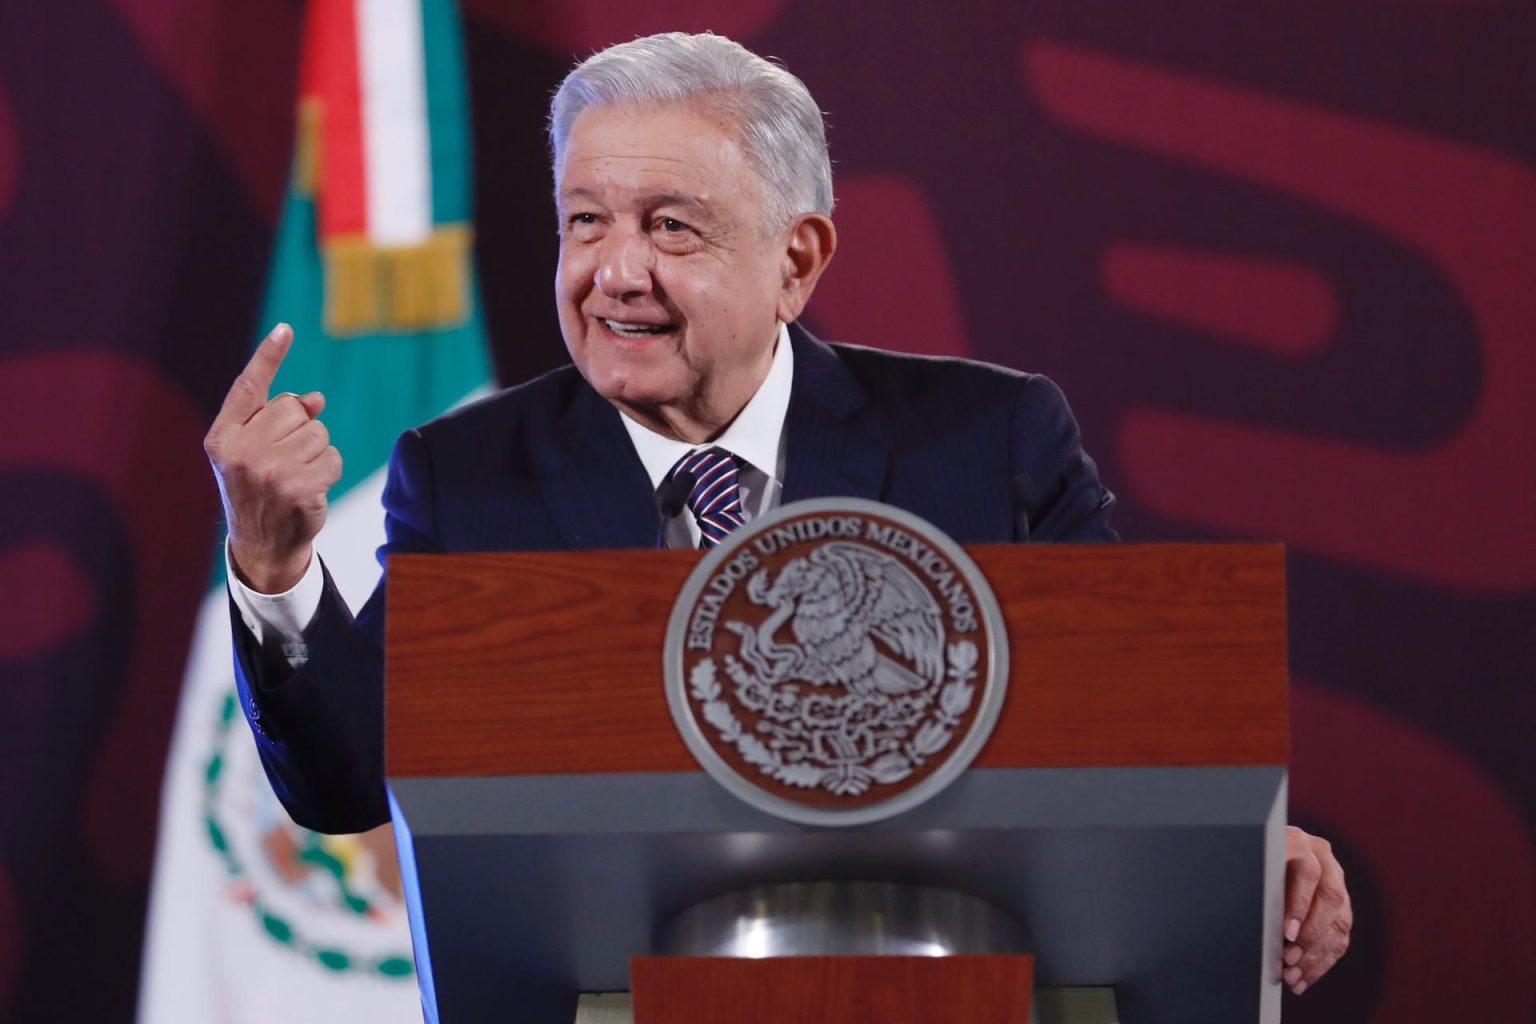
x=618 y=153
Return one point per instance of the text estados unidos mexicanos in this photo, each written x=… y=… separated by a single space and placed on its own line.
x=950 y=585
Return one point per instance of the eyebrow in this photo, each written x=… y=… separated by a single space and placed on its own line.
x=654 y=199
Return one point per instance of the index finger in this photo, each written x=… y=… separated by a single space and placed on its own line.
x=249 y=392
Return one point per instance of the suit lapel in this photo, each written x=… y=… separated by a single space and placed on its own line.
x=598 y=491
x=836 y=446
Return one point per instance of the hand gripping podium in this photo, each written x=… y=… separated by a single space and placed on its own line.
x=1126 y=814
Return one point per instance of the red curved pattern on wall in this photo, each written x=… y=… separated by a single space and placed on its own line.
x=120 y=425
x=10 y=153
x=890 y=284
x=577 y=28
x=1470 y=213
x=45 y=598
x=1426 y=820
x=226 y=60
x=1283 y=308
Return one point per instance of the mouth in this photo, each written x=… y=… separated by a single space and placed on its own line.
x=635 y=328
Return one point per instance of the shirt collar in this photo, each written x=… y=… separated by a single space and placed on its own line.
x=753 y=435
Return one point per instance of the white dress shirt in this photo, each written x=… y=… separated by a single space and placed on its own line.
x=756 y=436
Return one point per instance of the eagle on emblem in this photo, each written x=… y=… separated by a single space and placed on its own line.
x=838 y=601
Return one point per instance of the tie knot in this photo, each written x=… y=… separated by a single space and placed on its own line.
x=715 y=499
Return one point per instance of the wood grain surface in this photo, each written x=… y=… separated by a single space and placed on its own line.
x=846 y=989
x=550 y=662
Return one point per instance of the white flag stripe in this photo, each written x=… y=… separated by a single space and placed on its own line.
x=396 y=141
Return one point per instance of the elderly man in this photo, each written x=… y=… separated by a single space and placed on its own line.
x=694 y=194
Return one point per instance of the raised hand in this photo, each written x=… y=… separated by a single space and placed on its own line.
x=274 y=462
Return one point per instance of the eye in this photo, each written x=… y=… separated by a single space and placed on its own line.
x=582 y=226
x=671 y=225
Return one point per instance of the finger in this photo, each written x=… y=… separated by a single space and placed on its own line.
x=1318 y=962
x=328 y=464
x=248 y=394
x=1302 y=874
x=1313 y=972
x=319 y=475
x=1324 y=936
x=313 y=403
x=309 y=440
x=279 y=418
x=1329 y=899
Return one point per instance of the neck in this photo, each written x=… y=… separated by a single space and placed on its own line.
x=691 y=425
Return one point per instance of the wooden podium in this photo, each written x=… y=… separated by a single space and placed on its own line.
x=1128 y=809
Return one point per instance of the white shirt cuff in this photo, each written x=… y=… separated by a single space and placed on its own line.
x=278 y=618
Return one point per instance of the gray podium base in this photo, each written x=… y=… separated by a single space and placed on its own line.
x=1049 y=1006
x=1166 y=883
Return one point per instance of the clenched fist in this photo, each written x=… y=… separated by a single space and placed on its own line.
x=274 y=462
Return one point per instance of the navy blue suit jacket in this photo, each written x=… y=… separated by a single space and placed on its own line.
x=987 y=455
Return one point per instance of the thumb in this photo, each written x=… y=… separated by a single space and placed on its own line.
x=313 y=403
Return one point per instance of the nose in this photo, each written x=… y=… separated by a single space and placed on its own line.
x=624 y=268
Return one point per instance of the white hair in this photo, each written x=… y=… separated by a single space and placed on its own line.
x=782 y=133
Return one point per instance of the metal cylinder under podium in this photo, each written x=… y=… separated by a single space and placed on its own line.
x=842 y=919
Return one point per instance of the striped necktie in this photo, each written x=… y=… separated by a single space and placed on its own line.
x=715 y=500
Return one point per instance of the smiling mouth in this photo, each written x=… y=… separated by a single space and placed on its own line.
x=627 y=329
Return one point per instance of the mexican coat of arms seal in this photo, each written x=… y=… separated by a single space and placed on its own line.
x=836 y=662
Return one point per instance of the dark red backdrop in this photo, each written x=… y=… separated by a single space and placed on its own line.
x=1282 y=257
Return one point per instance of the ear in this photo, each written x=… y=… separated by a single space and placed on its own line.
x=808 y=247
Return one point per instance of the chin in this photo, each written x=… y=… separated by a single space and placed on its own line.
x=639 y=377
x=636 y=389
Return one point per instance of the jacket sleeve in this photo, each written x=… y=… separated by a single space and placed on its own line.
x=1057 y=493
x=319 y=728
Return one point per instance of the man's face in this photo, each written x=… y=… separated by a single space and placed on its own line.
x=669 y=288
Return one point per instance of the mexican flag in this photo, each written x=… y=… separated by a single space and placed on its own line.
x=252 y=918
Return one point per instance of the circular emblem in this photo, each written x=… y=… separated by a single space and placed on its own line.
x=836 y=662
x=337 y=901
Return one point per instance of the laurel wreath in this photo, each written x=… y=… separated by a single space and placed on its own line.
x=281 y=929
x=843 y=778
